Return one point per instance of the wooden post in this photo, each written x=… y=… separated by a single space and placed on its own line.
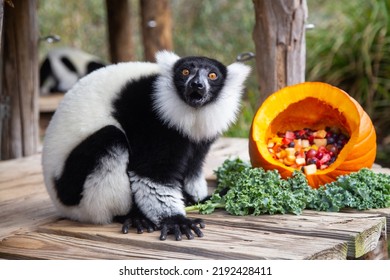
x=156 y=24
x=1 y=25
x=279 y=36
x=20 y=80
x=119 y=30
x=3 y=106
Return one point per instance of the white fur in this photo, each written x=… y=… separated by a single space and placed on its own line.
x=205 y=122
x=85 y=109
x=106 y=192
x=155 y=200
x=197 y=187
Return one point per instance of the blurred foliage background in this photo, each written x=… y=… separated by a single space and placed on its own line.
x=348 y=48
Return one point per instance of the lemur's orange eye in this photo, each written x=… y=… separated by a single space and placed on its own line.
x=185 y=72
x=212 y=76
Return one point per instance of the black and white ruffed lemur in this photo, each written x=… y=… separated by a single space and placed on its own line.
x=129 y=141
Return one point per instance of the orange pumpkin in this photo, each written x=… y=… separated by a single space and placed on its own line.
x=314 y=105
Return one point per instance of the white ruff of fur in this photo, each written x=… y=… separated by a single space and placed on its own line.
x=202 y=123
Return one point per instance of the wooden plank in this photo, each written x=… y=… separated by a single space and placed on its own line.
x=362 y=231
x=21 y=167
x=49 y=103
x=24 y=202
x=222 y=149
x=383 y=212
x=61 y=247
x=219 y=242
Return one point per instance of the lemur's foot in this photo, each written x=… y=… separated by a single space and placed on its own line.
x=179 y=225
x=135 y=219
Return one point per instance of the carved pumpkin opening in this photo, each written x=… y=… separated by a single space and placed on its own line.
x=314 y=105
x=297 y=116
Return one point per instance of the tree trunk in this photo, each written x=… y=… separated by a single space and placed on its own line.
x=279 y=36
x=20 y=129
x=119 y=30
x=156 y=23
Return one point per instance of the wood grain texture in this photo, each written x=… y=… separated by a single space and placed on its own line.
x=49 y=103
x=20 y=63
x=219 y=242
x=119 y=30
x=279 y=36
x=156 y=24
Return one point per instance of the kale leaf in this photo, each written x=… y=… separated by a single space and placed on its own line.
x=244 y=190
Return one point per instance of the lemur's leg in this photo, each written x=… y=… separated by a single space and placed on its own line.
x=163 y=205
x=94 y=185
x=196 y=188
x=195 y=184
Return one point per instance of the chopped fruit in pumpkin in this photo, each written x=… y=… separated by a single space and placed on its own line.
x=294 y=148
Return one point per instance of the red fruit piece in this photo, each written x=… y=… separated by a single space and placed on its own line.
x=290 y=135
x=311 y=153
x=319 y=155
x=286 y=141
x=322 y=149
x=325 y=159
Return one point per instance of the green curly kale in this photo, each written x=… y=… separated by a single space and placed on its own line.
x=361 y=190
x=243 y=190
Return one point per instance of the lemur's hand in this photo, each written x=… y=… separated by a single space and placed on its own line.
x=179 y=225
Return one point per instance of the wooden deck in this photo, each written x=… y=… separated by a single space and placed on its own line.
x=31 y=229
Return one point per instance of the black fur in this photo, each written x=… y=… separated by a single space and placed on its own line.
x=69 y=65
x=45 y=72
x=84 y=159
x=93 y=65
x=156 y=151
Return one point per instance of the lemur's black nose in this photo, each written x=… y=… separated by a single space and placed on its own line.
x=197 y=85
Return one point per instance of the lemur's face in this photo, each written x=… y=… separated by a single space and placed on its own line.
x=199 y=80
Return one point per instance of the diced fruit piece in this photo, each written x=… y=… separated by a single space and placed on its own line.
x=286 y=141
x=311 y=153
x=305 y=143
x=320 y=142
x=325 y=158
x=300 y=161
x=332 y=148
x=290 y=135
x=312 y=160
x=319 y=133
x=290 y=151
x=281 y=154
x=310 y=169
x=319 y=155
x=288 y=161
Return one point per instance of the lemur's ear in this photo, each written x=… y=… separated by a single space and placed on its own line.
x=236 y=75
x=166 y=60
